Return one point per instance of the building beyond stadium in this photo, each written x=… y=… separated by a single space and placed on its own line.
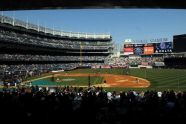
x=179 y=43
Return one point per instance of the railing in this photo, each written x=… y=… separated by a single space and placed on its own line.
x=20 y=23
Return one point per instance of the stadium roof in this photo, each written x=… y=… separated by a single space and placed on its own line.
x=80 y=4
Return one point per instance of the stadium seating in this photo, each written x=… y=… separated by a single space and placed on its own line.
x=73 y=105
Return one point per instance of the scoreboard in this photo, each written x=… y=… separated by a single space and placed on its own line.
x=148 y=49
x=138 y=49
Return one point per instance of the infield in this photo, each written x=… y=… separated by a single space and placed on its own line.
x=110 y=80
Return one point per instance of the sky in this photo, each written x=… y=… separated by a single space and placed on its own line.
x=135 y=24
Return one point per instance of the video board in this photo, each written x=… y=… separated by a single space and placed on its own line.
x=163 y=47
x=138 y=49
x=128 y=49
x=147 y=49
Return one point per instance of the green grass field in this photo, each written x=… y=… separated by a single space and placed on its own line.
x=101 y=71
x=161 y=79
x=64 y=81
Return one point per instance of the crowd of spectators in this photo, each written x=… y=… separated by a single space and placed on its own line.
x=130 y=61
x=115 y=61
x=15 y=74
x=25 y=38
x=19 y=57
x=93 y=105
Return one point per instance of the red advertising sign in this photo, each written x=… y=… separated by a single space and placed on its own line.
x=129 y=49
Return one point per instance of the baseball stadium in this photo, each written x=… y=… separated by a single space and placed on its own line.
x=50 y=58
x=51 y=75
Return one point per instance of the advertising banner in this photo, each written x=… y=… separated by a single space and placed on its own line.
x=148 y=50
x=164 y=47
x=129 y=49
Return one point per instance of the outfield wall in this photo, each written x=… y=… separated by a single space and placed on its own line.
x=141 y=66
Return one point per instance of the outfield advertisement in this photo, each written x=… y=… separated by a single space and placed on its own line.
x=148 y=49
x=105 y=66
x=95 y=66
x=128 y=49
x=164 y=47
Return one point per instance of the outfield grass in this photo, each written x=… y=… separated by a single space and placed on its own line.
x=97 y=71
x=161 y=79
x=64 y=81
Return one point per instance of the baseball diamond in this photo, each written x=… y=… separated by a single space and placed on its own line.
x=111 y=80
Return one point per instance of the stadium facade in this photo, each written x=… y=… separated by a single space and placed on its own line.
x=23 y=42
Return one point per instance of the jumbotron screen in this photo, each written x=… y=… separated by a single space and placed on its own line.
x=128 y=49
x=138 y=49
x=164 y=47
x=148 y=50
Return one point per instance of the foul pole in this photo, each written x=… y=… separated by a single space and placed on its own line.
x=80 y=52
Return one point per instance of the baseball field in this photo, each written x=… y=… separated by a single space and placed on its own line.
x=118 y=79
